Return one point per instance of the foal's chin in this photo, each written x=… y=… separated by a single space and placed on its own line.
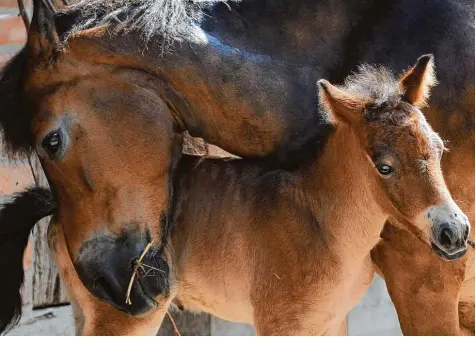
x=446 y=256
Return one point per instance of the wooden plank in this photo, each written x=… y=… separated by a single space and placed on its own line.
x=188 y=324
x=48 y=290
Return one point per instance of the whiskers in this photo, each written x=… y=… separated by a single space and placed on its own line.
x=149 y=270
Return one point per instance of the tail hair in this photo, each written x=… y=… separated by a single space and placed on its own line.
x=18 y=216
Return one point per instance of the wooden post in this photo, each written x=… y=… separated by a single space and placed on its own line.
x=47 y=287
x=188 y=324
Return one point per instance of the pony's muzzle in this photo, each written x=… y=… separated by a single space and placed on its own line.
x=109 y=267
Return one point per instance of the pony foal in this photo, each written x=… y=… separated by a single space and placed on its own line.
x=288 y=251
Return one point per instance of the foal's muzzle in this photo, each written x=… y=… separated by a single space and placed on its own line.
x=107 y=262
x=449 y=231
x=449 y=241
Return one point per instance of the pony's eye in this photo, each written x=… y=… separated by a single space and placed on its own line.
x=384 y=169
x=52 y=143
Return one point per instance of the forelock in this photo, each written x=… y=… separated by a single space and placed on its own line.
x=375 y=82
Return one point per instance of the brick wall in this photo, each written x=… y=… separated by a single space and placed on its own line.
x=12 y=30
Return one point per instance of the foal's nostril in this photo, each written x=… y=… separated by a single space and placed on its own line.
x=447 y=237
x=466 y=234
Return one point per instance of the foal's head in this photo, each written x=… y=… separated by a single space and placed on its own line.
x=106 y=144
x=402 y=147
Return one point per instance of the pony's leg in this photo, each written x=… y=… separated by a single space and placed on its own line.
x=78 y=316
x=424 y=289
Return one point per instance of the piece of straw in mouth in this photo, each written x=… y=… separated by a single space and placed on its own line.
x=134 y=272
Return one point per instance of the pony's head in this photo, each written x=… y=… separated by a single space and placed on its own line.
x=403 y=151
x=105 y=136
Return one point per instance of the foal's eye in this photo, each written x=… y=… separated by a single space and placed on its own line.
x=52 y=143
x=384 y=169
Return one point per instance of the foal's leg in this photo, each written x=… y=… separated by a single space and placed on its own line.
x=424 y=289
x=297 y=324
x=343 y=329
x=466 y=317
x=283 y=313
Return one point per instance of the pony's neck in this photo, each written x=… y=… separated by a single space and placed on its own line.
x=342 y=191
x=250 y=105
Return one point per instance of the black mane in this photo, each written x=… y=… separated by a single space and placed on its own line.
x=14 y=119
x=166 y=20
x=17 y=218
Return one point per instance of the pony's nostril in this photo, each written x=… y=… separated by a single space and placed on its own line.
x=446 y=237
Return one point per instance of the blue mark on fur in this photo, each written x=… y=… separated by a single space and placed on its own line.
x=230 y=51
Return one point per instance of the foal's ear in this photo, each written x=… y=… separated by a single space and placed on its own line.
x=43 y=41
x=342 y=105
x=417 y=82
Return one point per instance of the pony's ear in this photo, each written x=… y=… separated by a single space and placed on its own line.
x=417 y=82
x=43 y=41
x=341 y=105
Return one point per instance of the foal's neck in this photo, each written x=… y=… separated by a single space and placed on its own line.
x=341 y=188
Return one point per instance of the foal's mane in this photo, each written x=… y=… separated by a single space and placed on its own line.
x=385 y=91
x=375 y=82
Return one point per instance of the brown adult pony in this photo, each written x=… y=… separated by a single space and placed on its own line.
x=248 y=103
x=288 y=250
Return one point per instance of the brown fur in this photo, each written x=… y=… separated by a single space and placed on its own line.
x=85 y=77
